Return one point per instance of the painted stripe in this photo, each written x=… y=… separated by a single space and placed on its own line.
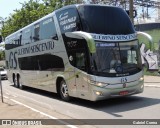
x=14 y=96
x=6 y=97
x=157 y=86
x=7 y=93
x=42 y=113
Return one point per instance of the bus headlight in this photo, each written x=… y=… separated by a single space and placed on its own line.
x=100 y=84
x=98 y=93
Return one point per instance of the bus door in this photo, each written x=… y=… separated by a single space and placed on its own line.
x=81 y=73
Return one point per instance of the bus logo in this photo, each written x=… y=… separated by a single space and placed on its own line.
x=124 y=80
x=13 y=60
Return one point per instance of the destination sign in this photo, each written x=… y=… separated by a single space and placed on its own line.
x=114 y=38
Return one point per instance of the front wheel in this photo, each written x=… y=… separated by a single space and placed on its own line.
x=63 y=91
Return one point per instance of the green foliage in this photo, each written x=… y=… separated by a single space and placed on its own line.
x=30 y=12
x=2 y=55
x=155 y=36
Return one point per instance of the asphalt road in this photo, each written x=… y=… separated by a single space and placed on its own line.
x=141 y=106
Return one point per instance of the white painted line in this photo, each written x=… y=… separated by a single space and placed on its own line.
x=7 y=93
x=10 y=94
x=6 y=97
x=65 y=123
x=19 y=95
x=14 y=96
x=149 y=85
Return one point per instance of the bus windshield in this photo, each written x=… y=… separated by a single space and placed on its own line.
x=113 y=59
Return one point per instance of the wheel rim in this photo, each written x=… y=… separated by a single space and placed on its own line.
x=64 y=90
x=15 y=82
x=19 y=83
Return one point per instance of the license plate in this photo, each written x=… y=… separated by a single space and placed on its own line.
x=123 y=93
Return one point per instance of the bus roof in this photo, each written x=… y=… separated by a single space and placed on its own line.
x=51 y=14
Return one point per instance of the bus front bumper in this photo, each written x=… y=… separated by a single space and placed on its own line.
x=111 y=91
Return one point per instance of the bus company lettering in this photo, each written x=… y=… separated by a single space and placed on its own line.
x=69 y=20
x=13 y=60
x=73 y=25
x=36 y=48
x=114 y=37
x=68 y=23
x=63 y=16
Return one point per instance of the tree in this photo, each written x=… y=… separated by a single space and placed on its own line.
x=2 y=55
x=30 y=12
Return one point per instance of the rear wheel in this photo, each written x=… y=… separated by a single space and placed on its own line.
x=15 y=81
x=19 y=83
x=63 y=91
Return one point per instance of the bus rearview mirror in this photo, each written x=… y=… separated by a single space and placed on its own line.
x=146 y=35
x=83 y=35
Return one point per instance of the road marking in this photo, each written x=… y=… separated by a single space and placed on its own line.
x=152 y=85
x=19 y=95
x=10 y=94
x=14 y=96
x=42 y=113
x=7 y=93
x=6 y=97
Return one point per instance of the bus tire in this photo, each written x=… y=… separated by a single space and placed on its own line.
x=63 y=91
x=20 y=83
x=15 y=81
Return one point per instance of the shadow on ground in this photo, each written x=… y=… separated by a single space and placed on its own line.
x=110 y=106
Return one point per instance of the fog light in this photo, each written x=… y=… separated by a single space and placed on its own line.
x=98 y=93
x=141 y=79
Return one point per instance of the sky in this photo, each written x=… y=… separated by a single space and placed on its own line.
x=7 y=7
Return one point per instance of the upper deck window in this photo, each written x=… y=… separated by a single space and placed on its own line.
x=36 y=30
x=105 y=20
x=68 y=20
x=48 y=29
x=26 y=36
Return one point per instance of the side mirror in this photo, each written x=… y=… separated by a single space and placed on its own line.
x=146 y=35
x=0 y=38
x=83 y=35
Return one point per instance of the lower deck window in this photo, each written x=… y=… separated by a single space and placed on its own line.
x=41 y=62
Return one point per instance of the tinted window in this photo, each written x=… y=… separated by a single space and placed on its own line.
x=26 y=36
x=12 y=42
x=48 y=29
x=36 y=30
x=78 y=59
x=41 y=62
x=68 y=20
x=105 y=20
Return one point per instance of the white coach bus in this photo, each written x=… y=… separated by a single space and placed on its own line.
x=85 y=51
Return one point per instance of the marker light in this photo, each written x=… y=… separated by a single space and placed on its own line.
x=98 y=93
x=141 y=79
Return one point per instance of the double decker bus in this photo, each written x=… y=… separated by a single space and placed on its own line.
x=84 y=51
